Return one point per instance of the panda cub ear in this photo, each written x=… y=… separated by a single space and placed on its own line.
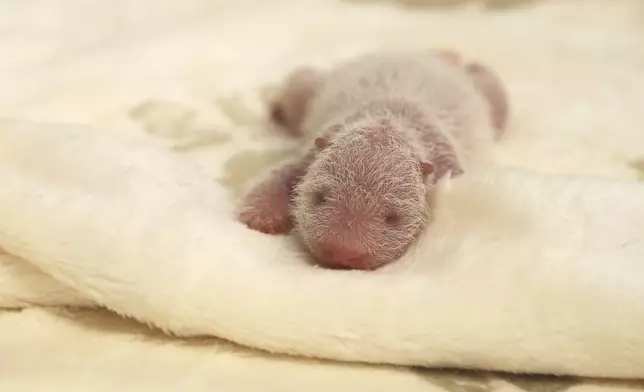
x=427 y=169
x=321 y=143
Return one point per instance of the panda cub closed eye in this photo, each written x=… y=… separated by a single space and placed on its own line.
x=319 y=197
x=393 y=219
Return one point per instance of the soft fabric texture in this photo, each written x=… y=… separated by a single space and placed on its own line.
x=532 y=266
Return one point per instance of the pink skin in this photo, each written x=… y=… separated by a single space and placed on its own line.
x=490 y=85
x=366 y=211
x=372 y=215
x=301 y=85
x=364 y=221
x=266 y=208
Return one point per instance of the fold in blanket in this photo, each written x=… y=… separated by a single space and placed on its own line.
x=520 y=271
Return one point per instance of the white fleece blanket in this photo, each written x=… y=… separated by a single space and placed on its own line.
x=532 y=266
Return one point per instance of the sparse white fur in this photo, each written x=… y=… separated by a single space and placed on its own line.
x=382 y=114
x=444 y=94
x=351 y=181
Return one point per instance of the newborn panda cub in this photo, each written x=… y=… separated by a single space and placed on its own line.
x=379 y=131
